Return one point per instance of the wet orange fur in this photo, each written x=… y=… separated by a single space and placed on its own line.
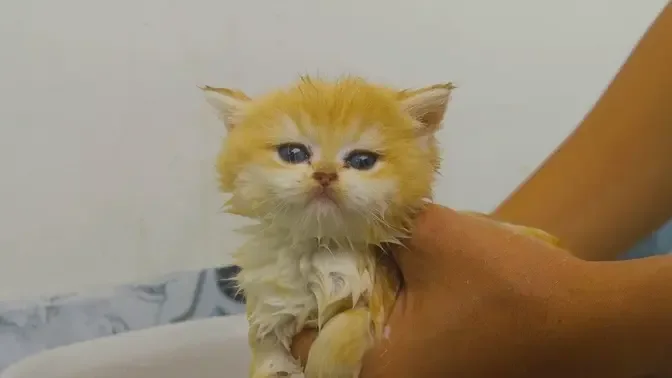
x=334 y=115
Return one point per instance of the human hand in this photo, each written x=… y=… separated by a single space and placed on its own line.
x=481 y=300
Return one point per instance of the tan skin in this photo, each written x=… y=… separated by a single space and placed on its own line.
x=480 y=301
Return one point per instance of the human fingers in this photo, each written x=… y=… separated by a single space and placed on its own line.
x=444 y=240
x=429 y=231
x=438 y=235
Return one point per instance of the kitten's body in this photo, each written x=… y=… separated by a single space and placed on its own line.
x=332 y=171
x=304 y=284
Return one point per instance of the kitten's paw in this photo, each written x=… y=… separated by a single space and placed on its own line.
x=278 y=374
x=278 y=369
x=270 y=359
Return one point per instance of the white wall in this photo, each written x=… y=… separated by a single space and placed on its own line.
x=107 y=148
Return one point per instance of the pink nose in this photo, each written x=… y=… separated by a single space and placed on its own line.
x=325 y=178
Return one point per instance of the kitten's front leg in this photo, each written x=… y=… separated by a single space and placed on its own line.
x=343 y=340
x=342 y=286
x=338 y=350
x=276 y=319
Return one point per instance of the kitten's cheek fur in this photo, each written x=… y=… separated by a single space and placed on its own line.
x=367 y=193
x=288 y=185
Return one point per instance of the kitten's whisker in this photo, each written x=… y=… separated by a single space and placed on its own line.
x=328 y=248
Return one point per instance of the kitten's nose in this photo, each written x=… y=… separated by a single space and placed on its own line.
x=325 y=178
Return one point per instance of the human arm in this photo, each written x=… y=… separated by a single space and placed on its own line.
x=634 y=308
x=482 y=301
x=610 y=183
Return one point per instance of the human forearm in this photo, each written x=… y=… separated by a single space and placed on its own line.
x=610 y=183
x=609 y=319
x=632 y=311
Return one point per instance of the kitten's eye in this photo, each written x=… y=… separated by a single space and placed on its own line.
x=294 y=153
x=361 y=160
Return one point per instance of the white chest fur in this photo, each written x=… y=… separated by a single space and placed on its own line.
x=292 y=284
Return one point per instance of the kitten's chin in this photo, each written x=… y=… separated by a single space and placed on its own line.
x=324 y=206
x=323 y=218
x=324 y=201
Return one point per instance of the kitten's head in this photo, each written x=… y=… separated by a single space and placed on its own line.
x=330 y=157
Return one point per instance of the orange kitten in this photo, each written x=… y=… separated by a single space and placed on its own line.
x=330 y=170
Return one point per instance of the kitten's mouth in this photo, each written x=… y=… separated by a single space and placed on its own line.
x=322 y=194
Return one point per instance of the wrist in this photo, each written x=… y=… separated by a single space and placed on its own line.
x=645 y=308
x=626 y=315
x=604 y=321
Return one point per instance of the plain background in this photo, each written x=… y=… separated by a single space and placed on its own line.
x=107 y=146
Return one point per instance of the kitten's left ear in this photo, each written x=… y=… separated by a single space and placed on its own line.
x=229 y=103
x=427 y=106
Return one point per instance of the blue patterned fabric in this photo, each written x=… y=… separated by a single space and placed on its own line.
x=29 y=327
x=659 y=243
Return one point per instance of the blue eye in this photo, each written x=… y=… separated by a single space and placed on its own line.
x=294 y=153
x=361 y=160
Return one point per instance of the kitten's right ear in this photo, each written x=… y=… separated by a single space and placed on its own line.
x=229 y=103
x=427 y=106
